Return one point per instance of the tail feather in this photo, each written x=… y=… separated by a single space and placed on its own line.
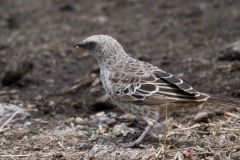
x=226 y=101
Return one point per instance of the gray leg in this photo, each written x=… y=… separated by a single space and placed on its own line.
x=138 y=141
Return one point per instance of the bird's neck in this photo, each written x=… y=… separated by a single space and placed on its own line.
x=113 y=60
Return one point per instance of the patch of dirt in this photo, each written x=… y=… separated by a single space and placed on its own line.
x=59 y=87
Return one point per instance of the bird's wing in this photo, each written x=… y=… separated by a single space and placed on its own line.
x=154 y=88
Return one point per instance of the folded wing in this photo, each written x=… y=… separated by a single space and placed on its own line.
x=155 y=88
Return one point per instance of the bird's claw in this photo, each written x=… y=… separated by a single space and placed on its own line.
x=131 y=145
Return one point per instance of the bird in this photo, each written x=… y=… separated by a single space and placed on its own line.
x=141 y=88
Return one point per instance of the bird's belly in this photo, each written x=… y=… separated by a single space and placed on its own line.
x=104 y=79
x=150 y=112
x=153 y=112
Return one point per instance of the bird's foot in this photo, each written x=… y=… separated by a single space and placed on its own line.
x=131 y=145
x=126 y=118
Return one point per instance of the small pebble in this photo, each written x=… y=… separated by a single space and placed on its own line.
x=84 y=146
x=202 y=117
x=81 y=133
x=93 y=138
x=122 y=129
x=101 y=114
x=51 y=104
x=27 y=123
x=220 y=156
x=112 y=115
x=80 y=121
x=230 y=53
x=232 y=137
x=103 y=128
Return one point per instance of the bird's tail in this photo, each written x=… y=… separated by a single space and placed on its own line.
x=225 y=101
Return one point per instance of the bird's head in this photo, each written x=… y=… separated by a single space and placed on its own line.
x=101 y=46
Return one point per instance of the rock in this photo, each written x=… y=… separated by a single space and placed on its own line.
x=102 y=104
x=80 y=121
x=220 y=156
x=51 y=104
x=67 y=8
x=84 y=146
x=122 y=129
x=81 y=133
x=109 y=152
x=15 y=73
x=202 y=117
x=112 y=115
x=103 y=128
x=231 y=52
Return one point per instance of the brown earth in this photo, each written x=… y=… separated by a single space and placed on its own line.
x=59 y=88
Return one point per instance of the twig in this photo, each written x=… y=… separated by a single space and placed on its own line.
x=8 y=92
x=179 y=156
x=231 y=129
x=165 y=129
x=14 y=155
x=172 y=133
x=231 y=115
x=194 y=126
x=9 y=119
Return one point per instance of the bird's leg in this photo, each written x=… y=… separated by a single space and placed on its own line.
x=126 y=119
x=140 y=138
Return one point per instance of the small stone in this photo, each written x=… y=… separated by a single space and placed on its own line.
x=101 y=114
x=46 y=147
x=80 y=121
x=27 y=123
x=232 y=137
x=112 y=115
x=103 y=128
x=15 y=73
x=231 y=52
x=122 y=129
x=70 y=119
x=80 y=127
x=84 y=146
x=111 y=122
x=93 y=138
x=220 y=156
x=39 y=98
x=202 y=117
x=101 y=19
x=81 y=133
x=51 y=103
x=92 y=117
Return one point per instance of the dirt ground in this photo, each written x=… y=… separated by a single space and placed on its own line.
x=53 y=91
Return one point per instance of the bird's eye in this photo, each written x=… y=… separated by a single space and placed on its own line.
x=91 y=44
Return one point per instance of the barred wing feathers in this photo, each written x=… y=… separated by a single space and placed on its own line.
x=155 y=88
x=177 y=89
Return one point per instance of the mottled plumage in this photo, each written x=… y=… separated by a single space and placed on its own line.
x=138 y=87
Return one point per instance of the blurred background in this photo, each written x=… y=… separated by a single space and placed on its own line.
x=182 y=37
x=195 y=40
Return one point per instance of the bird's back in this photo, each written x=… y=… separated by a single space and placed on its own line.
x=139 y=82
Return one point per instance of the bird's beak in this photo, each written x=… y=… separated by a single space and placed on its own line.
x=80 y=45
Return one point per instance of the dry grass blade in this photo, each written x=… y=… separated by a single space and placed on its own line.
x=231 y=115
x=194 y=126
x=9 y=119
x=220 y=156
x=165 y=129
x=15 y=155
x=179 y=156
x=8 y=92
